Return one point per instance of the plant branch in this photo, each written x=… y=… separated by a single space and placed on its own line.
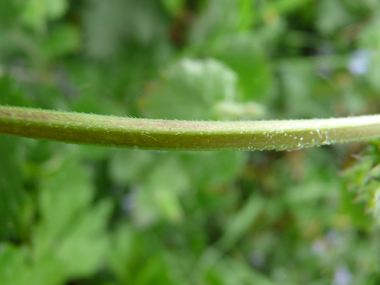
x=113 y=131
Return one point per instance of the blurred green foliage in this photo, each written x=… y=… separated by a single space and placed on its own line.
x=85 y=215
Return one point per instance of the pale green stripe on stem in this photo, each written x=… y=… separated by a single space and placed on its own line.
x=113 y=131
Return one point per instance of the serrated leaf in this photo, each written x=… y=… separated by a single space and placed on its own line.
x=363 y=184
x=63 y=195
x=84 y=245
x=71 y=233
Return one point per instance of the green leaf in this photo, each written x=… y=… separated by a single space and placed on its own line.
x=284 y=6
x=360 y=194
x=64 y=39
x=13 y=197
x=369 y=41
x=158 y=197
x=140 y=22
x=13 y=269
x=244 y=274
x=137 y=258
x=173 y=6
x=9 y=12
x=213 y=168
x=232 y=111
x=189 y=90
x=332 y=16
x=11 y=93
x=240 y=222
x=85 y=245
x=247 y=14
x=128 y=166
x=299 y=87
x=218 y=18
x=63 y=195
x=38 y=12
x=71 y=233
x=244 y=54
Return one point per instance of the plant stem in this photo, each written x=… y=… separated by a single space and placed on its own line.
x=113 y=131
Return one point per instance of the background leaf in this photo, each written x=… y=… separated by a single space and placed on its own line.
x=86 y=215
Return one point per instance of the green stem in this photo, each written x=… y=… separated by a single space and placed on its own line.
x=184 y=135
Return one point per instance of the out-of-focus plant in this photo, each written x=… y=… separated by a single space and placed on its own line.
x=72 y=214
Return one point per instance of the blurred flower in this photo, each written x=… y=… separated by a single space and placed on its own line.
x=359 y=61
x=319 y=247
x=342 y=276
x=333 y=238
x=128 y=203
x=257 y=259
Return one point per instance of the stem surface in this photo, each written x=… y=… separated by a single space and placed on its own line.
x=125 y=132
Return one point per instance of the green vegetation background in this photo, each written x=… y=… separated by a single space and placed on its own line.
x=84 y=215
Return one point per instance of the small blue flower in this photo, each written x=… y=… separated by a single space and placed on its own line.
x=359 y=62
x=342 y=276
